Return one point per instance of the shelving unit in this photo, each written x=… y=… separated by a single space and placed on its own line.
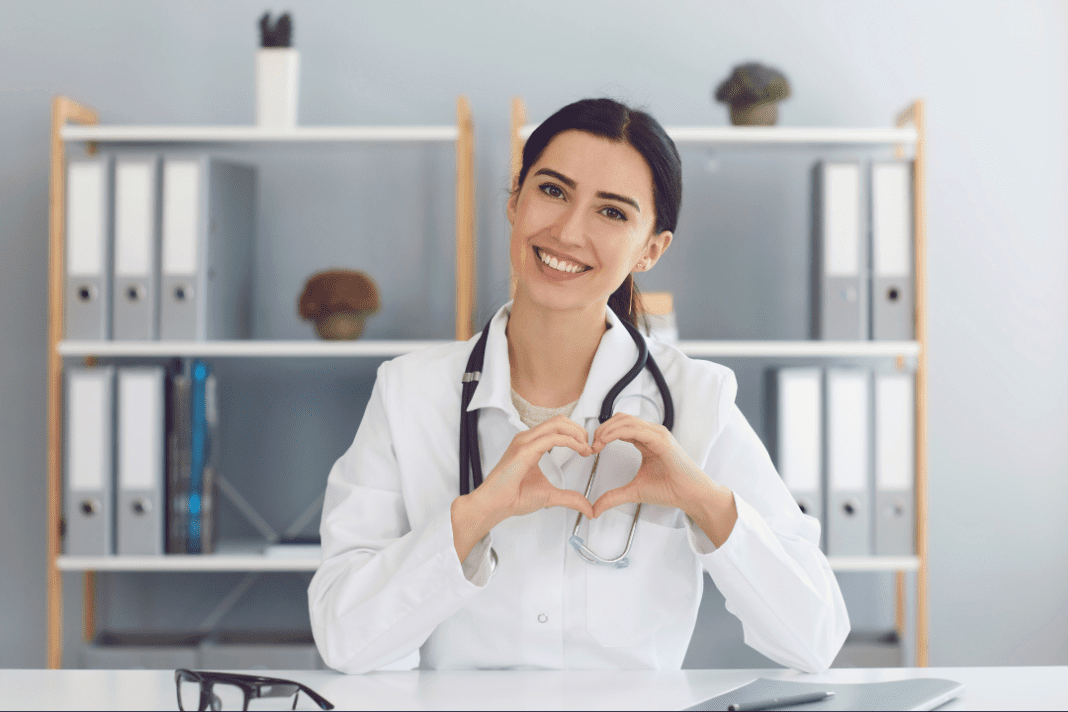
x=907 y=132
x=75 y=123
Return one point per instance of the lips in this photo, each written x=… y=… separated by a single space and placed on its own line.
x=560 y=263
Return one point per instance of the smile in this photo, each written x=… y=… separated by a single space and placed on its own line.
x=559 y=264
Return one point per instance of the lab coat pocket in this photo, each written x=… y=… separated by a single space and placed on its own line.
x=628 y=606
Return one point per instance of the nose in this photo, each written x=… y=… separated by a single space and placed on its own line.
x=569 y=227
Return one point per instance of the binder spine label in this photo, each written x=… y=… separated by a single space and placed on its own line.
x=88 y=286
x=89 y=458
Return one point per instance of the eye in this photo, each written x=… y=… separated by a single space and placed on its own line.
x=552 y=190
x=614 y=214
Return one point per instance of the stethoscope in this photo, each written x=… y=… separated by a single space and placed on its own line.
x=470 y=454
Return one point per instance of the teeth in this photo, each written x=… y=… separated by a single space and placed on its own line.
x=559 y=265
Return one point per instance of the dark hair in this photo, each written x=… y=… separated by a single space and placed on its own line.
x=615 y=121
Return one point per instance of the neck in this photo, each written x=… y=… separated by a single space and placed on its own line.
x=550 y=351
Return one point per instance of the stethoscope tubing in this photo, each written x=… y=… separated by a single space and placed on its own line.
x=470 y=455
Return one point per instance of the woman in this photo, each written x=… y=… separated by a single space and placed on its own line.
x=413 y=574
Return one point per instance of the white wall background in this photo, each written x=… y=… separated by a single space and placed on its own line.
x=995 y=78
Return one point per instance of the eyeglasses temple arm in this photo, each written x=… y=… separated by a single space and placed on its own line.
x=316 y=697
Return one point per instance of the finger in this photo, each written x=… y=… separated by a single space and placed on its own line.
x=570 y=499
x=547 y=442
x=561 y=424
x=614 y=422
x=616 y=418
x=632 y=431
x=614 y=498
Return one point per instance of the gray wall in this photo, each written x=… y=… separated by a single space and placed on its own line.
x=993 y=75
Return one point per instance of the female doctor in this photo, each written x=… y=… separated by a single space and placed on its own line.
x=422 y=567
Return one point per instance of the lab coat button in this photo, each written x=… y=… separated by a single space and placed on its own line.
x=542 y=618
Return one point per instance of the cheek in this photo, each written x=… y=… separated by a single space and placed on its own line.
x=636 y=249
x=536 y=215
x=625 y=257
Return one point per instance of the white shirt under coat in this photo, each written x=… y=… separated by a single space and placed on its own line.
x=391 y=590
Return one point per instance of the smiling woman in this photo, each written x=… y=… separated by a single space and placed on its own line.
x=570 y=410
x=640 y=149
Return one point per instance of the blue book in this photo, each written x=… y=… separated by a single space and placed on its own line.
x=200 y=537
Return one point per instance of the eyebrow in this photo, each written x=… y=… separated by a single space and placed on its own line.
x=600 y=194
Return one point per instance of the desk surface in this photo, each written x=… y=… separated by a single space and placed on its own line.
x=1033 y=688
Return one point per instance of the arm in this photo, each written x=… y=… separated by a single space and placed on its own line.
x=770 y=568
x=382 y=586
x=760 y=550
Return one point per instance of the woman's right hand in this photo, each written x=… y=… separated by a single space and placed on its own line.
x=517 y=486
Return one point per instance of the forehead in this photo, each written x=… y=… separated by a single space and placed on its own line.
x=598 y=164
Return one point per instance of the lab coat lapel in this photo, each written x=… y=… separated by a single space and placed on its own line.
x=494 y=388
x=614 y=357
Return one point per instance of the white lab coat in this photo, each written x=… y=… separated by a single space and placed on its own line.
x=391 y=590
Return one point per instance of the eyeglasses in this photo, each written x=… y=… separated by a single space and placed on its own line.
x=201 y=690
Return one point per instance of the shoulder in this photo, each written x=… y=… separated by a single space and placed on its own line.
x=426 y=370
x=694 y=376
x=419 y=392
x=703 y=392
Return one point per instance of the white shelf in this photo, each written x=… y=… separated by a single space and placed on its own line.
x=874 y=563
x=799 y=348
x=799 y=135
x=250 y=557
x=253 y=134
x=253 y=348
x=229 y=557
x=246 y=348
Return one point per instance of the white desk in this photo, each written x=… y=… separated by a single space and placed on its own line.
x=1030 y=688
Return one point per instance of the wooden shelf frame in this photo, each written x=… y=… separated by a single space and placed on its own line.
x=909 y=131
x=75 y=122
x=914 y=116
x=64 y=110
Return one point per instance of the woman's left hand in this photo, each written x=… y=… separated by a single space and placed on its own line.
x=668 y=477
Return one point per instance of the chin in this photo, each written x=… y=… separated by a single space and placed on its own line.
x=555 y=297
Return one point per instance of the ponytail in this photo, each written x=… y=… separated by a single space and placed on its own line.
x=626 y=302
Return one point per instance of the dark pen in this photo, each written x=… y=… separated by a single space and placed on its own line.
x=777 y=702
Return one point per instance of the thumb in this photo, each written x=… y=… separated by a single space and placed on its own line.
x=614 y=498
x=570 y=499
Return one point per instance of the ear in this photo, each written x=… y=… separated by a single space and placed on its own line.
x=654 y=250
x=513 y=201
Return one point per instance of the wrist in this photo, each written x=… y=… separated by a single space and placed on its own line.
x=471 y=521
x=714 y=511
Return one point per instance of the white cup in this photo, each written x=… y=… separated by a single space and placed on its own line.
x=277 y=85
